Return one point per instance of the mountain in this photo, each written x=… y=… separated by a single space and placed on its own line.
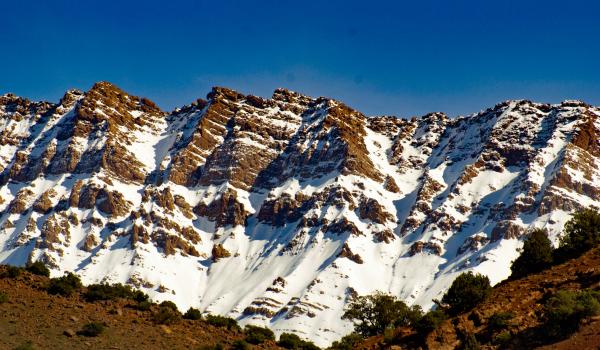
x=279 y=211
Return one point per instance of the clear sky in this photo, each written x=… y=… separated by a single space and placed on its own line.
x=382 y=57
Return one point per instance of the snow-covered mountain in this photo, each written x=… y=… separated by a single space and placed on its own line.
x=279 y=211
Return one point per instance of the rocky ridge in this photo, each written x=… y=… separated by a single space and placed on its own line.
x=279 y=211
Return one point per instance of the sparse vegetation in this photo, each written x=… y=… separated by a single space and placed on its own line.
x=348 y=342
x=292 y=341
x=38 y=268
x=64 y=285
x=240 y=345
x=221 y=321
x=192 y=314
x=11 y=272
x=466 y=291
x=564 y=311
x=430 y=321
x=92 y=329
x=166 y=315
x=536 y=254
x=257 y=335
x=373 y=314
x=500 y=320
x=105 y=291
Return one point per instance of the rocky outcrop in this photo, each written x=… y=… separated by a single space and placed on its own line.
x=224 y=211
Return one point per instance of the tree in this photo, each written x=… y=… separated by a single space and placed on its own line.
x=38 y=268
x=373 y=314
x=536 y=254
x=581 y=234
x=466 y=291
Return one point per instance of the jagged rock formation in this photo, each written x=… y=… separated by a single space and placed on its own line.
x=210 y=204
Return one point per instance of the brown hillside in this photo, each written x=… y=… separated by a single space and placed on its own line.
x=524 y=298
x=51 y=322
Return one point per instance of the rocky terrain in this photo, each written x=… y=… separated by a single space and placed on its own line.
x=279 y=211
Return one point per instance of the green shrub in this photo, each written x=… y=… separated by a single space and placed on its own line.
x=500 y=320
x=3 y=297
x=348 y=342
x=11 y=272
x=166 y=315
x=240 y=345
x=38 y=268
x=466 y=291
x=105 y=291
x=373 y=314
x=536 y=254
x=292 y=341
x=564 y=311
x=257 y=335
x=581 y=234
x=171 y=305
x=92 y=329
x=64 y=285
x=430 y=322
x=144 y=305
x=192 y=314
x=221 y=321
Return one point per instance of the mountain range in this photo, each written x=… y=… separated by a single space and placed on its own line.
x=280 y=211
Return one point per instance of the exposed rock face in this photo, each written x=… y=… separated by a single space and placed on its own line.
x=106 y=183
x=219 y=252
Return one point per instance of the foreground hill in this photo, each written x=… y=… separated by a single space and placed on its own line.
x=29 y=315
x=524 y=299
x=279 y=211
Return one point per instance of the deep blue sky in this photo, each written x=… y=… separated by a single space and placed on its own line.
x=382 y=57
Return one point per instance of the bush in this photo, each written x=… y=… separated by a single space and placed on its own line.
x=64 y=285
x=12 y=272
x=105 y=291
x=38 y=268
x=192 y=314
x=171 y=305
x=92 y=329
x=143 y=305
x=257 y=335
x=3 y=297
x=564 y=311
x=348 y=342
x=581 y=234
x=536 y=254
x=430 y=322
x=166 y=315
x=221 y=321
x=292 y=341
x=373 y=314
x=466 y=291
x=240 y=345
x=500 y=320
